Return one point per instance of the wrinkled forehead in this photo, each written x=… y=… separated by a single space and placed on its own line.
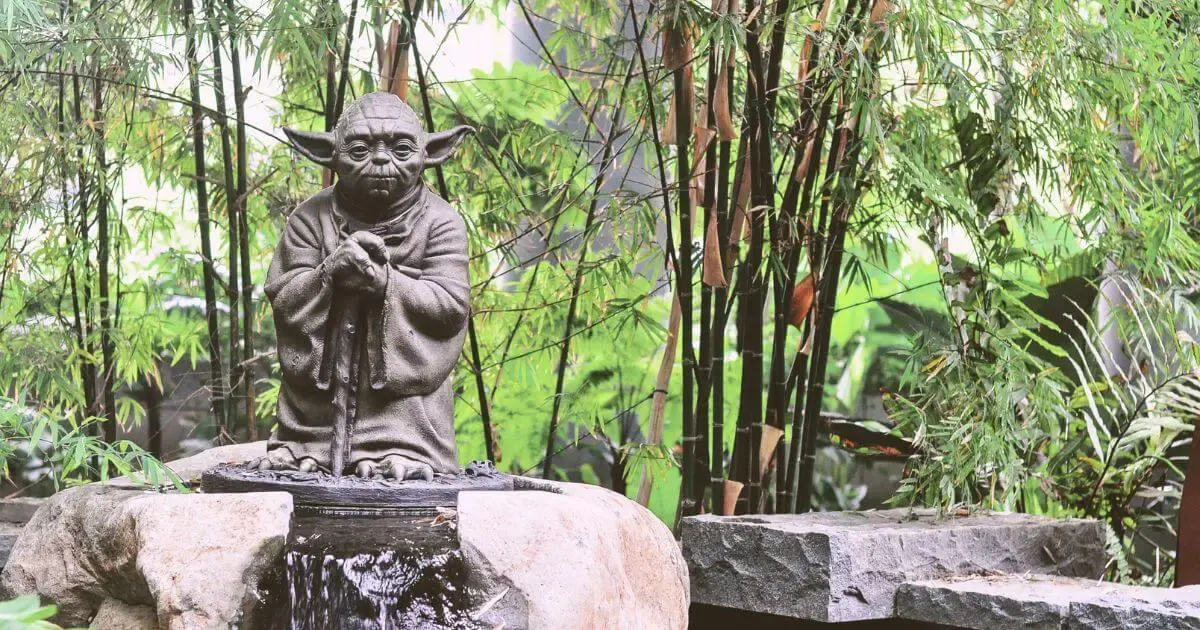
x=379 y=118
x=378 y=129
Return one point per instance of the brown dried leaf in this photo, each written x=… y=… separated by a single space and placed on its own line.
x=677 y=45
x=733 y=490
x=802 y=300
x=721 y=106
x=713 y=268
x=766 y=447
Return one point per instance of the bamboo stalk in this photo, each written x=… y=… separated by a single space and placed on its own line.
x=231 y=289
x=91 y=398
x=683 y=177
x=344 y=78
x=240 y=205
x=210 y=297
x=107 y=371
x=658 y=401
x=843 y=162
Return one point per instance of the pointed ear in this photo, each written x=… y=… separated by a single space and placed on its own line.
x=314 y=145
x=439 y=146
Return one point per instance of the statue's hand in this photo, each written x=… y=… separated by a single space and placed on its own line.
x=356 y=269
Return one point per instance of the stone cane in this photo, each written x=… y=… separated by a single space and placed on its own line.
x=346 y=396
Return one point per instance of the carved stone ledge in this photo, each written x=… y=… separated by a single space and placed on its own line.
x=320 y=489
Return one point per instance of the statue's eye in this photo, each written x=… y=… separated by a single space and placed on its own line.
x=358 y=151
x=403 y=150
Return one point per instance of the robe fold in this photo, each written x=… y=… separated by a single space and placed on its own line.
x=384 y=362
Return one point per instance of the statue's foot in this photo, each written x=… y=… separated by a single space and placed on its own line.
x=282 y=459
x=395 y=467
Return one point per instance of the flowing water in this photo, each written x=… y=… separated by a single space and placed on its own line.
x=372 y=572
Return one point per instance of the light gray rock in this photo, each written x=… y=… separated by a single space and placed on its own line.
x=991 y=603
x=1120 y=607
x=1040 y=602
x=115 y=614
x=189 y=469
x=196 y=559
x=574 y=557
x=846 y=566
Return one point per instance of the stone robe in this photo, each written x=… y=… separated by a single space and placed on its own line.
x=385 y=362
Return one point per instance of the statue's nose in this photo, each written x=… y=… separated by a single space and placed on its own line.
x=380 y=156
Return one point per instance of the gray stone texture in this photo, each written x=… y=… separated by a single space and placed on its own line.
x=1039 y=602
x=847 y=566
x=115 y=614
x=572 y=556
x=8 y=538
x=195 y=559
x=19 y=509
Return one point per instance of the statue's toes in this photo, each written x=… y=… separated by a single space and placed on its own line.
x=395 y=467
x=420 y=471
x=308 y=464
x=275 y=460
x=365 y=469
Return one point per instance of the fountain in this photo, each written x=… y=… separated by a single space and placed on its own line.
x=369 y=289
x=355 y=513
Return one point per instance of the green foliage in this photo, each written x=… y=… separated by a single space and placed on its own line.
x=26 y=613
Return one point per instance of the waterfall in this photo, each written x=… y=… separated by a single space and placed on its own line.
x=370 y=572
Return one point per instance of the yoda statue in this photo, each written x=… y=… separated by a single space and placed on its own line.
x=370 y=296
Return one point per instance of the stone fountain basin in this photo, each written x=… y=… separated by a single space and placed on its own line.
x=117 y=556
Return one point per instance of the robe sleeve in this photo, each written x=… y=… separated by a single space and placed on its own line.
x=423 y=320
x=301 y=296
x=438 y=302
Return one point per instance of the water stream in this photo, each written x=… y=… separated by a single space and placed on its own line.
x=372 y=572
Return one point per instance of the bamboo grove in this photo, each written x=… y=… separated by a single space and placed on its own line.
x=699 y=231
x=768 y=194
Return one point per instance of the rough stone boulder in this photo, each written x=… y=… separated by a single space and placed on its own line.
x=572 y=556
x=1040 y=602
x=846 y=566
x=195 y=560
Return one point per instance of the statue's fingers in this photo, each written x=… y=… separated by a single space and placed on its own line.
x=261 y=463
x=372 y=244
x=308 y=464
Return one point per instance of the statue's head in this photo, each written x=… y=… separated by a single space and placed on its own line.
x=378 y=149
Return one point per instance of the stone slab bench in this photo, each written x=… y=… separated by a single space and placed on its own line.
x=14 y=513
x=1039 y=602
x=847 y=566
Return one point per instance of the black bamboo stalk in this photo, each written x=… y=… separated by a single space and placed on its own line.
x=210 y=293
x=108 y=373
x=846 y=156
x=683 y=198
x=344 y=78
x=232 y=292
x=761 y=200
x=88 y=366
x=68 y=220
x=716 y=460
x=239 y=209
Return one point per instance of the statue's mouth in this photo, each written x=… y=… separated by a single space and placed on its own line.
x=379 y=187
